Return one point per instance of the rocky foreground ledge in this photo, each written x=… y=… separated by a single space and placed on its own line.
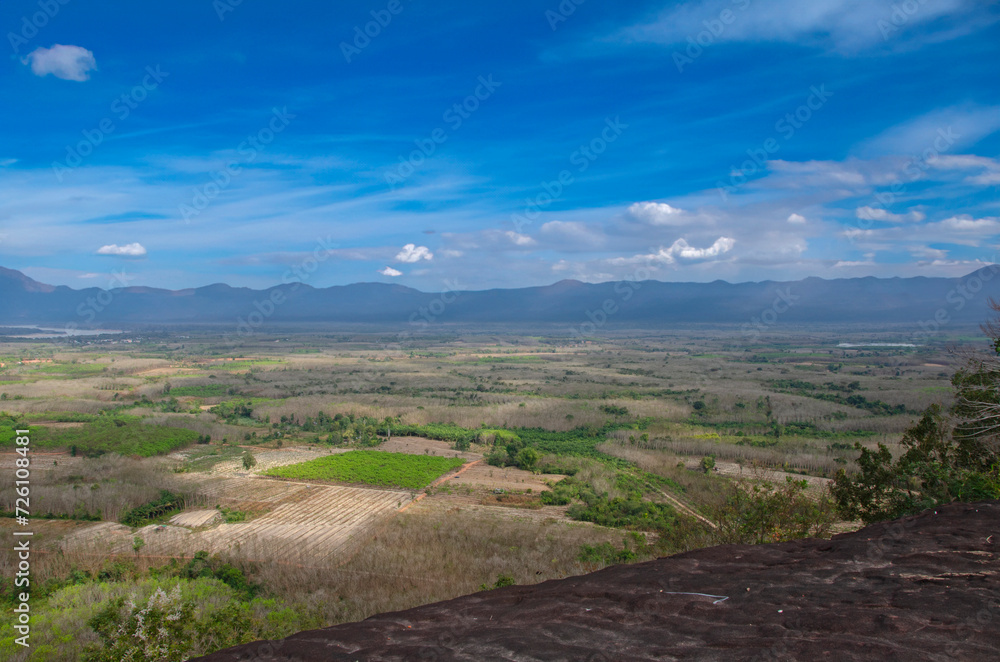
x=921 y=588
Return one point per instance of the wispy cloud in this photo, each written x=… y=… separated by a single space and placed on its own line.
x=846 y=26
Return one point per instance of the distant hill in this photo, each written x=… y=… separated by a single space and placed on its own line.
x=581 y=307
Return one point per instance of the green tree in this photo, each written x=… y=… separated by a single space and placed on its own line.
x=947 y=457
x=527 y=458
x=249 y=461
x=759 y=511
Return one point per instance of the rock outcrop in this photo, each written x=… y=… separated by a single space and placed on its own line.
x=921 y=588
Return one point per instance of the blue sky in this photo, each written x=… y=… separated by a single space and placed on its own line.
x=479 y=145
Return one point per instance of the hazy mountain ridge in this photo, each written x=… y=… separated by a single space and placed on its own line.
x=580 y=306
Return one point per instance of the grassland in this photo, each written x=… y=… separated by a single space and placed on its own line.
x=372 y=468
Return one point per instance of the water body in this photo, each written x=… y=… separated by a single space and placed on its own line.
x=47 y=332
x=876 y=344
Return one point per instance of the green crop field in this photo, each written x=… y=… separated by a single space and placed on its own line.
x=372 y=468
x=203 y=391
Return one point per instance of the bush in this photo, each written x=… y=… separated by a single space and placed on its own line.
x=937 y=467
x=502 y=580
x=142 y=515
x=497 y=457
x=762 y=512
x=527 y=458
x=159 y=631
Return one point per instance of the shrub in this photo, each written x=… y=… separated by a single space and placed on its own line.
x=159 y=631
x=142 y=515
x=527 y=458
x=761 y=512
x=937 y=467
x=502 y=580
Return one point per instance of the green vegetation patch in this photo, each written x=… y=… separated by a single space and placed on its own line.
x=167 y=503
x=75 y=370
x=125 y=435
x=372 y=468
x=203 y=391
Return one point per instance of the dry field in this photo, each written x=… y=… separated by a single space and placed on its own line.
x=303 y=524
x=348 y=551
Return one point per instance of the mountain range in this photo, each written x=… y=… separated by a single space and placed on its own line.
x=581 y=308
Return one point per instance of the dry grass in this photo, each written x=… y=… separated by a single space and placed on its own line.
x=105 y=486
x=701 y=491
x=429 y=556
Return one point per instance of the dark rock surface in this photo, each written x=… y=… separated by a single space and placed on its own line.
x=920 y=588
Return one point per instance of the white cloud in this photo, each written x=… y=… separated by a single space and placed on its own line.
x=128 y=250
x=721 y=245
x=869 y=261
x=519 y=239
x=796 y=218
x=413 y=253
x=682 y=249
x=928 y=252
x=966 y=223
x=448 y=252
x=989 y=174
x=66 y=62
x=655 y=213
x=875 y=214
x=389 y=271
x=7 y=162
